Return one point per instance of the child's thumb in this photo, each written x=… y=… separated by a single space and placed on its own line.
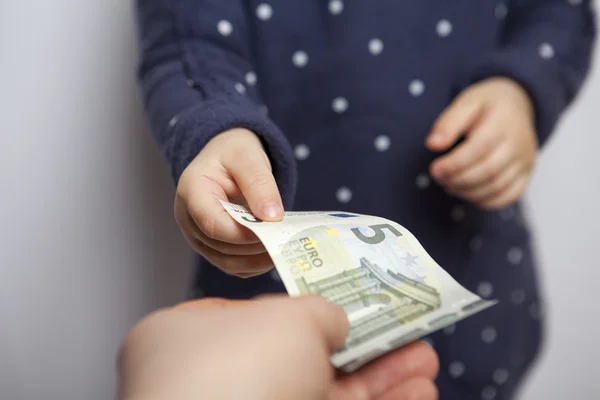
x=453 y=123
x=252 y=173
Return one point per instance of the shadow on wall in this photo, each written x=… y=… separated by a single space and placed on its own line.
x=167 y=263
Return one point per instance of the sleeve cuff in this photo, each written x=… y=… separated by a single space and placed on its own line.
x=535 y=76
x=197 y=125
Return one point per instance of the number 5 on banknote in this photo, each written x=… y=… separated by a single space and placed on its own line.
x=375 y=269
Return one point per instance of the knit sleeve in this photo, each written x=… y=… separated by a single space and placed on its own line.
x=197 y=79
x=547 y=47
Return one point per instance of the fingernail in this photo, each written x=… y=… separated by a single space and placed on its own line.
x=271 y=210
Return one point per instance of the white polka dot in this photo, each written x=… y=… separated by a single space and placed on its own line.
x=574 y=2
x=456 y=369
x=343 y=195
x=500 y=376
x=224 y=27
x=485 y=289
x=488 y=334
x=514 y=255
x=416 y=87
x=546 y=51
x=241 y=89
x=375 y=46
x=263 y=109
x=428 y=341
x=274 y=275
x=535 y=311
x=336 y=6
x=382 y=143
x=301 y=152
x=190 y=83
x=443 y=28
x=250 y=78
x=449 y=330
x=476 y=243
x=300 y=58
x=339 y=105
x=458 y=213
x=517 y=296
x=501 y=11
x=507 y=213
x=488 y=393
x=423 y=181
x=264 y=11
x=173 y=122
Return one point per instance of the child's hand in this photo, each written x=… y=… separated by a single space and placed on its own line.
x=491 y=168
x=233 y=167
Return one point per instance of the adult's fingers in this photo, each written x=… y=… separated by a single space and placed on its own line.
x=329 y=319
x=414 y=389
x=382 y=375
x=251 y=170
x=454 y=122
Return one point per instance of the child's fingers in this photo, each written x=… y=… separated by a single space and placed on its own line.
x=492 y=188
x=508 y=196
x=251 y=171
x=480 y=142
x=482 y=172
x=242 y=266
x=454 y=122
x=209 y=215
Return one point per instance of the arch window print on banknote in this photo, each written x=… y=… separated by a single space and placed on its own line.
x=375 y=269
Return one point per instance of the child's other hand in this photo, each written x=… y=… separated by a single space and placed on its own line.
x=232 y=167
x=492 y=167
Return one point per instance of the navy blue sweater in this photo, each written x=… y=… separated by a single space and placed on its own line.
x=343 y=95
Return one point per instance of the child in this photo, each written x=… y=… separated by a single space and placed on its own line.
x=429 y=113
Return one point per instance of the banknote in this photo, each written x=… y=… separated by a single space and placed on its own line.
x=375 y=269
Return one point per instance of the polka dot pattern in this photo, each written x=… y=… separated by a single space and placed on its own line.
x=301 y=152
x=336 y=7
x=456 y=369
x=501 y=10
x=343 y=195
x=416 y=87
x=488 y=334
x=546 y=51
x=489 y=393
x=375 y=46
x=382 y=143
x=485 y=289
x=514 y=255
x=443 y=28
x=241 y=89
x=225 y=28
x=500 y=376
x=423 y=181
x=250 y=78
x=264 y=11
x=339 y=105
x=300 y=59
